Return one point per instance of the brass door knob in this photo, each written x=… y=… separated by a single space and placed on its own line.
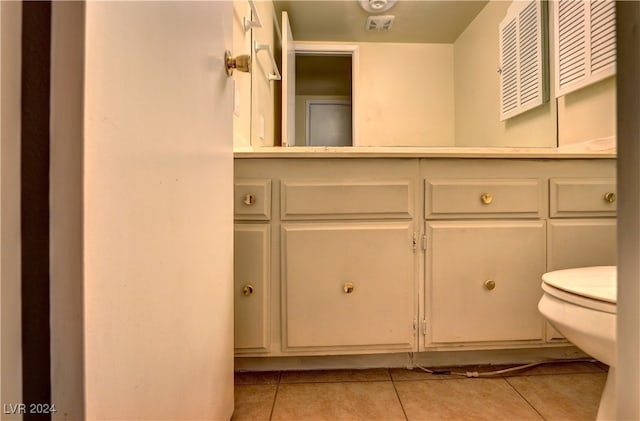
x=489 y=284
x=486 y=198
x=610 y=197
x=249 y=199
x=247 y=290
x=241 y=63
x=348 y=287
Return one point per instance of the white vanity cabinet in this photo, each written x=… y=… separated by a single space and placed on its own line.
x=343 y=255
x=582 y=225
x=485 y=243
x=252 y=247
x=396 y=255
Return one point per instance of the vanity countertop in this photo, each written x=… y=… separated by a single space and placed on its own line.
x=424 y=152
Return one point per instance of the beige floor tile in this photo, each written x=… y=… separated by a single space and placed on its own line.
x=338 y=402
x=327 y=376
x=253 y=402
x=464 y=399
x=257 y=377
x=563 y=396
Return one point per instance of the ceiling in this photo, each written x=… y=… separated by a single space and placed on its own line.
x=423 y=21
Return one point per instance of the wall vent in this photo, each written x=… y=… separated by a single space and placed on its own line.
x=379 y=23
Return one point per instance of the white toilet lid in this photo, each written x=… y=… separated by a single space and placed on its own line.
x=588 y=283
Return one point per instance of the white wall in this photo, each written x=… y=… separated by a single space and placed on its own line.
x=10 y=73
x=158 y=224
x=66 y=288
x=406 y=94
x=588 y=113
x=477 y=94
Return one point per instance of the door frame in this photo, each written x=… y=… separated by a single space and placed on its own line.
x=319 y=48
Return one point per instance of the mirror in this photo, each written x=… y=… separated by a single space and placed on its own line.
x=430 y=80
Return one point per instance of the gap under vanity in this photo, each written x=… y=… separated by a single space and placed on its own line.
x=424 y=242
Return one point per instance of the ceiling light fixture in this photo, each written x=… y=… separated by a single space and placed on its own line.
x=376 y=6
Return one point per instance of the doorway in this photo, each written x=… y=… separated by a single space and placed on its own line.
x=323 y=100
x=319 y=81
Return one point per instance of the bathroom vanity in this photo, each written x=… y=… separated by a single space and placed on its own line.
x=364 y=251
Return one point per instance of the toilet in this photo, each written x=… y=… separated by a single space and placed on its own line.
x=581 y=304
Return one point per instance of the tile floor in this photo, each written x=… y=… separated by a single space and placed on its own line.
x=564 y=391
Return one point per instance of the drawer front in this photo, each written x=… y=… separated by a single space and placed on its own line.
x=251 y=287
x=582 y=197
x=348 y=287
x=252 y=199
x=346 y=200
x=483 y=281
x=465 y=198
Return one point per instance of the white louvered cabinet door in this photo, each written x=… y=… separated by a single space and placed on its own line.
x=523 y=58
x=585 y=43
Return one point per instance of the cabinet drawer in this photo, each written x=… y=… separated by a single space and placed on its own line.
x=582 y=197
x=252 y=199
x=465 y=198
x=348 y=287
x=346 y=200
x=483 y=281
x=251 y=287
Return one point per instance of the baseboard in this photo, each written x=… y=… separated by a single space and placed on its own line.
x=409 y=360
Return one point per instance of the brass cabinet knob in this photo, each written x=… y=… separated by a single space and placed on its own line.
x=486 y=198
x=610 y=197
x=348 y=287
x=247 y=290
x=249 y=199
x=241 y=63
x=489 y=284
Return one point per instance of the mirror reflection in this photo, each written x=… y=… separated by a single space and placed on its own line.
x=422 y=73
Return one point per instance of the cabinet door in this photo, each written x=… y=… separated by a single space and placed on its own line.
x=483 y=281
x=347 y=287
x=581 y=242
x=251 y=295
x=577 y=243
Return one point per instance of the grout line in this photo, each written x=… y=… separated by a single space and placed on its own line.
x=398 y=395
x=275 y=396
x=523 y=397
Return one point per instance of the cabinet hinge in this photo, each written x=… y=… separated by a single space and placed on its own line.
x=423 y=324
x=424 y=241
